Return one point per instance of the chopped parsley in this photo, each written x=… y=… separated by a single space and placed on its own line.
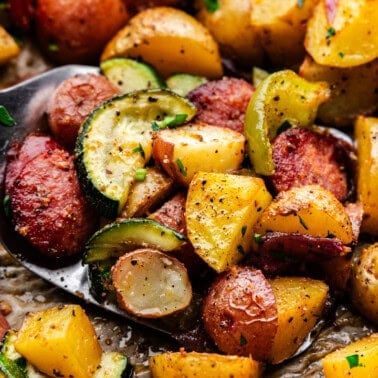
x=257 y=238
x=181 y=167
x=330 y=32
x=6 y=205
x=353 y=360
x=169 y=121
x=212 y=5
x=300 y=3
x=341 y=54
x=53 y=47
x=301 y=221
x=5 y=118
x=139 y=149
x=243 y=340
x=243 y=230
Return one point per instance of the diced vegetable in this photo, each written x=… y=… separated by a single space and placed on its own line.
x=193 y=364
x=169 y=39
x=112 y=365
x=343 y=33
x=130 y=74
x=116 y=140
x=60 y=341
x=300 y=304
x=366 y=133
x=221 y=210
x=310 y=210
x=188 y=149
x=356 y=360
x=114 y=239
x=151 y=284
x=283 y=97
x=8 y=46
x=183 y=83
x=364 y=282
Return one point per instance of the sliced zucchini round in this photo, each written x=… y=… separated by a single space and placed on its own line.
x=113 y=365
x=130 y=74
x=116 y=140
x=115 y=239
x=183 y=83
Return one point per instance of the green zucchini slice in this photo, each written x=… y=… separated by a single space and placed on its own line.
x=130 y=74
x=116 y=140
x=183 y=83
x=113 y=365
x=117 y=238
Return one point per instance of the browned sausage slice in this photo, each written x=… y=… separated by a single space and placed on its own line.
x=48 y=207
x=222 y=102
x=303 y=157
x=73 y=101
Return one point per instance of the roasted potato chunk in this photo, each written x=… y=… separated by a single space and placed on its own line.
x=170 y=40
x=366 y=133
x=309 y=209
x=8 y=46
x=356 y=360
x=193 y=364
x=221 y=210
x=364 y=282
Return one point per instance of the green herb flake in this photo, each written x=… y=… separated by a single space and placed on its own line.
x=300 y=3
x=5 y=118
x=353 y=360
x=301 y=221
x=240 y=249
x=140 y=150
x=330 y=32
x=257 y=238
x=6 y=205
x=53 y=47
x=212 y=5
x=169 y=121
x=182 y=168
x=140 y=174
x=243 y=230
x=341 y=54
x=243 y=340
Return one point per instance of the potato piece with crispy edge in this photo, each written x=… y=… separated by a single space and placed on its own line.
x=60 y=341
x=343 y=33
x=281 y=27
x=221 y=210
x=151 y=284
x=237 y=40
x=351 y=91
x=8 y=46
x=192 y=364
x=356 y=360
x=240 y=313
x=364 y=282
x=188 y=149
x=366 y=133
x=300 y=303
x=146 y=195
x=170 y=40
x=308 y=209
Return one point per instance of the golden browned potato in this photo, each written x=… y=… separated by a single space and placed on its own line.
x=356 y=360
x=366 y=134
x=237 y=40
x=183 y=364
x=8 y=46
x=309 y=209
x=364 y=282
x=60 y=339
x=300 y=303
x=351 y=91
x=188 y=149
x=76 y=31
x=343 y=33
x=240 y=313
x=221 y=210
x=281 y=27
x=170 y=40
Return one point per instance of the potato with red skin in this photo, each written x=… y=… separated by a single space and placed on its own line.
x=240 y=313
x=73 y=101
x=76 y=31
x=47 y=206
